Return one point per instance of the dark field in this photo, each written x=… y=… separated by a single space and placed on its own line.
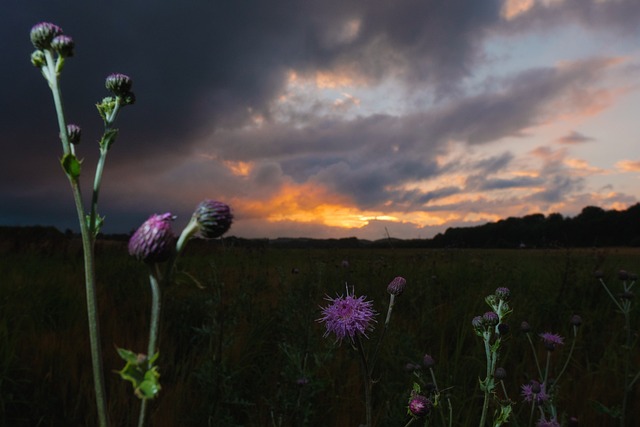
x=238 y=332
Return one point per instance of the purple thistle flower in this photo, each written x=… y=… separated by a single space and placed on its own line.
x=551 y=341
x=535 y=392
x=490 y=318
x=397 y=285
x=503 y=293
x=428 y=361
x=119 y=84
x=154 y=240
x=420 y=405
x=544 y=423
x=348 y=316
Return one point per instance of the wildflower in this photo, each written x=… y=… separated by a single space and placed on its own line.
x=623 y=275
x=420 y=405
x=303 y=381
x=63 y=45
x=503 y=293
x=213 y=218
x=410 y=367
x=154 y=240
x=348 y=316
x=534 y=392
x=551 y=341
x=397 y=285
x=500 y=373
x=575 y=320
x=119 y=84
x=525 y=327
x=544 y=423
x=43 y=33
x=74 y=133
x=428 y=361
x=477 y=322
x=490 y=318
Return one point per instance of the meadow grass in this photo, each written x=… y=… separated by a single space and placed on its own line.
x=240 y=345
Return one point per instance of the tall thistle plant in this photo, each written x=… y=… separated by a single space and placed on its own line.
x=353 y=317
x=153 y=243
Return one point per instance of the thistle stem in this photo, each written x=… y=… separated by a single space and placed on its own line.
x=368 y=382
x=88 y=250
x=153 y=330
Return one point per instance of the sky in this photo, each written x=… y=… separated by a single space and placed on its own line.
x=328 y=119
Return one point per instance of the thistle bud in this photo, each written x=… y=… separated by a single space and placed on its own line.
x=525 y=327
x=428 y=361
x=420 y=405
x=503 y=329
x=397 y=285
x=503 y=293
x=154 y=240
x=119 y=84
x=74 y=133
x=63 y=45
x=43 y=33
x=214 y=218
x=623 y=275
x=477 y=322
x=490 y=318
x=38 y=59
x=575 y=320
x=500 y=373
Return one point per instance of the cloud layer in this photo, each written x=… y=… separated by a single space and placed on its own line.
x=329 y=119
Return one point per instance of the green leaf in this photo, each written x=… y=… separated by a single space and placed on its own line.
x=141 y=373
x=503 y=417
x=71 y=165
x=108 y=138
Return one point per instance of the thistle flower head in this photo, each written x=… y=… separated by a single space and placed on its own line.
x=477 y=322
x=500 y=373
x=542 y=422
x=490 y=318
x=154 y=240
x=551 y=341
x=63 y=45
x=428 y=361
x=525 y=327
x=420 y=405
x=503 y=293
x=74 y=133
x=534 y=392
x=214 y=218
x=119 y=84
x=397 y=285
x=575 y=320
x=348 y=316
x=43 y=33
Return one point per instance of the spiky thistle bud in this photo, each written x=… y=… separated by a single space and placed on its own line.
x=490 y=318
x=419 y=405
x=575 y=320
x=154 y=240
x=503 y=293
x=214 y=218
x=119 y=84
x=43 y=33
x=428 y=361
x=63 y=45
x=397 y=285
x=500 y=373
x=74 y=133
x=38 y=59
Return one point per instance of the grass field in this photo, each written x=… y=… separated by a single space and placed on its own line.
x=240 y=346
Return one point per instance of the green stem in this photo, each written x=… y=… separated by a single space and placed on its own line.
x=384 y=329
x=153 y=330
x=566 y=363
x=367 y=382
x=96 y=191
x=485 y=404
x=535 y=355
x=88 y=254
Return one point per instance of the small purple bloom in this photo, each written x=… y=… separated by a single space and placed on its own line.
x=63 y=45
x=503 y=293
x=575 y=320
x=428 y=361
x=525 y=327
x=544 y=423
x=490 y=318
x=534 y=392
x=551 y=341
x=348 y=316
x=477 y=322
x=420 y=405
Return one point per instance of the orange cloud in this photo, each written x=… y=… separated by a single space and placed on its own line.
x=239 y=168
x=628 y=165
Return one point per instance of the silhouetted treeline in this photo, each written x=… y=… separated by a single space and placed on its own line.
x=594 y=226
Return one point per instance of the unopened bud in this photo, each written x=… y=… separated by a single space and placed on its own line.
x=43 y=33
x=63 y=45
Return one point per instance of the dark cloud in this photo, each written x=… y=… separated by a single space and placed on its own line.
x=203 y=71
